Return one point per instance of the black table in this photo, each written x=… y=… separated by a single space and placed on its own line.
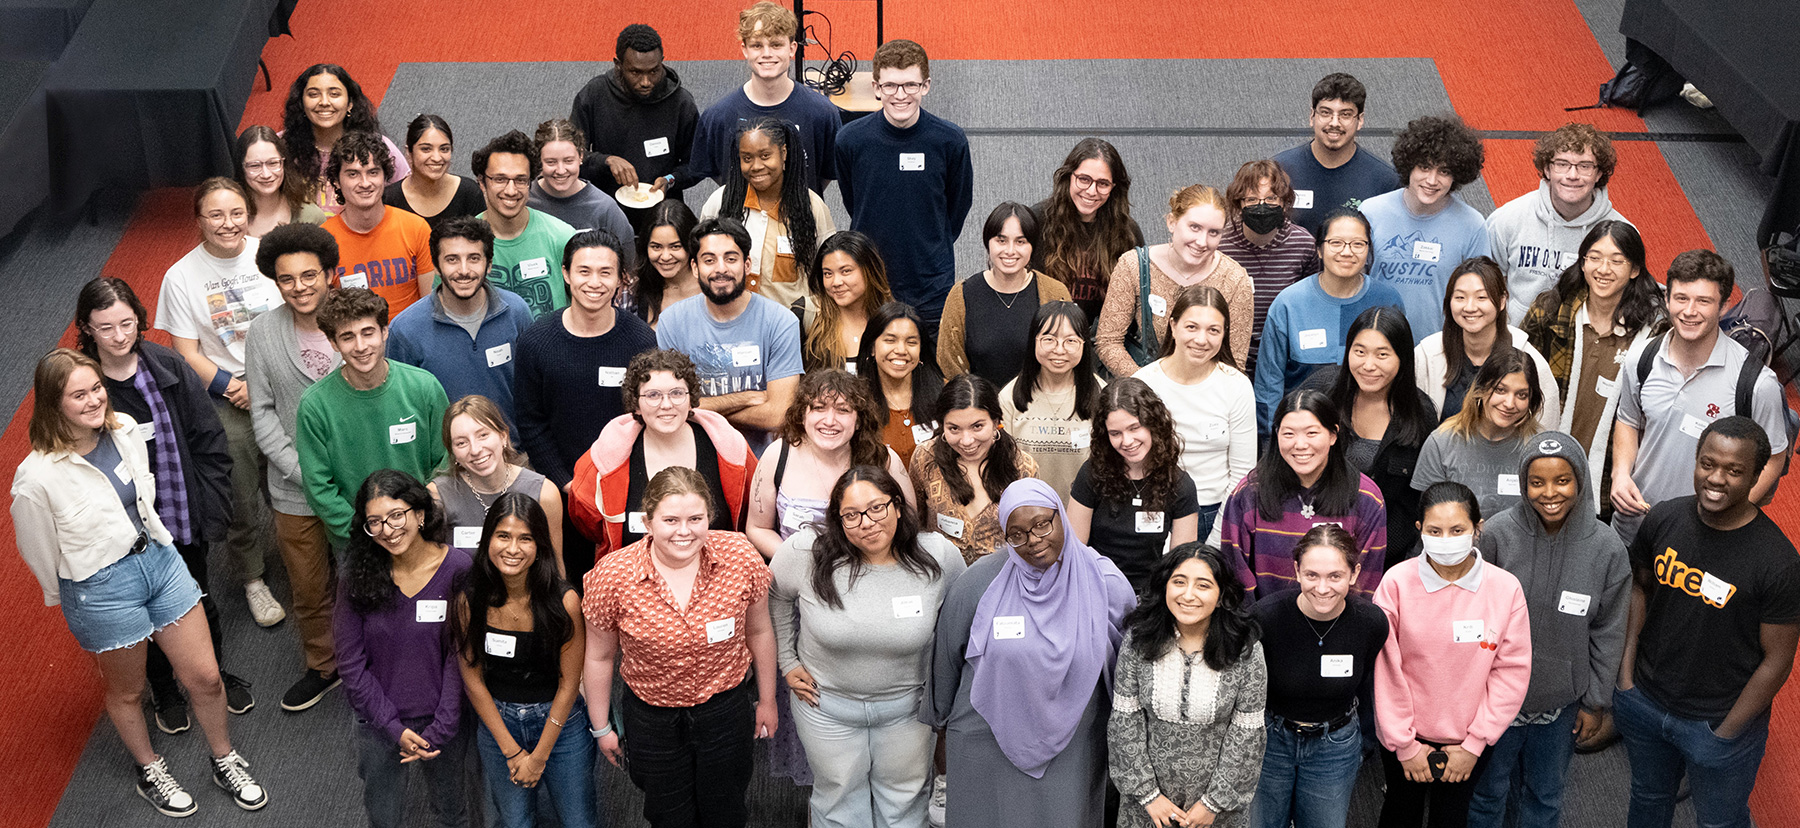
x=24 y=140
x=1742 y=54
x=38 y=29
x=149 y=93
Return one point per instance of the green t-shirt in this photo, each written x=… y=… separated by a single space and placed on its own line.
x=344 y=435
x=531 y=265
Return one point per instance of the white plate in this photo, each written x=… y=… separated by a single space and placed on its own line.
x=639 y=197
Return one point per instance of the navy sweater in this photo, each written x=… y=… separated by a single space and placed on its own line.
x=561 y=401
x=909 y=190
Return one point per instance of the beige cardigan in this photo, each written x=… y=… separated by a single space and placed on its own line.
x=951 y=356
x=1121 y=308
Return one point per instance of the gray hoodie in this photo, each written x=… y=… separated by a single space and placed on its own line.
x=1577 y=587
x=1535 y=244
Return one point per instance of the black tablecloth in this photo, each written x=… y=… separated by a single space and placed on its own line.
x=149 y=93
x=24 y=140
x=1743 y=55
x=38 y=29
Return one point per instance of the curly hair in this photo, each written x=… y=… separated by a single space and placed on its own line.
x=1073 y=247
x=483 y=586
x=638 y=372
x=513 y=142
x=833 y=549
x=297 y=238
x=1576 y=137
x=1641 y=304
x=1249 y=180
x=1001 y=467
x=647 y=288
x=637 y=37
x=293 y=186
x=900 y=54
x=368 y=567
x=1498 y=367
x=297 y=130
x=357 y=148
x=1439 y=141
x=1232 y=630
x=820 y=386
x=346 y=305
x=1162 y=465
x=796 y=199
x=825 y=339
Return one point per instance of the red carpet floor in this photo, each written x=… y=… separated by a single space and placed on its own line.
x=1506 y=65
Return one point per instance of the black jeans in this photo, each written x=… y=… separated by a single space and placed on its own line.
x=1405 y=804
x=692 y=763
x=157 y=669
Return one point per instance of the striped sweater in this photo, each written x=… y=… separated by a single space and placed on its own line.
x=1262 y=551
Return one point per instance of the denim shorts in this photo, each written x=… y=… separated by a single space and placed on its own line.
x=129 y=599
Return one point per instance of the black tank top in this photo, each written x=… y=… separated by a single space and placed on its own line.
x=529 y=675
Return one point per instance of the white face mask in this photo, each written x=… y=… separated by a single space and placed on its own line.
x=1448 y=551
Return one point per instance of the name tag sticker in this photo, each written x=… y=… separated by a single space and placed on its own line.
x=500 y=645
x=1149 y=523
x=1715 y=589
x=1336 y=666
x=1080 y=437
x=499 y=355
x=720 y=630
x=354 y=280
x=144 y=432
x=536 y=268
x=1009 y=626
x=909 y=606
x=921 y=433
x=793 y=520
x=1303 y=199
x=1606 y=388
x=123 y=472
x=1313 y=338
x=784 y=246
x=912 y=161
x=1467 y=632
x=656 y=146
x=1159 y=305
x=1573 y=603
x=744 y=356
x=951 y=526
x=1508 y=485
x=634 y=522
x=402 y=433
x=465 y=537
x=850 y=367
x=1214 y=429
x=430 y=611
x=611 y=377
x=1692 y=426
x=1426 y=251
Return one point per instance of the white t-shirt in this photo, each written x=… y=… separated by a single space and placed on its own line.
x=1216 y=420
x=213 y=300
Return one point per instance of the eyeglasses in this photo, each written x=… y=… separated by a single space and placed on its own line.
x=1067 y=343
x=1585 y=167
x=910 y=88
x=221 y=216
x=1328 y=115
x=1596 y=260
x=126 y=328
x=395 y=520
x=1252 y=201
x=1039 y=530
x=675 y=397
x=1087 y=182
x=288 y=280
x=876 y=513
x=1338 y=245
x=256 y=167
x=500 y=182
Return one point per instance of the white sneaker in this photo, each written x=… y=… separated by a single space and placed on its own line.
x=940 y=796
x=263 y=607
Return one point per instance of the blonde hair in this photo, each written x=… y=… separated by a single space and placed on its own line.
x=1195 y=195
x=51 y=430
x=484 y=411
x=677 y=480
x=767 y=19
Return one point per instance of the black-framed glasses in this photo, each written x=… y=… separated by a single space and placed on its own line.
x=501 y=182
x=1039 y=530
x=875 y=513
x=395 y=520
x=1583 y=167
x=910 y=88
x=1338 y=245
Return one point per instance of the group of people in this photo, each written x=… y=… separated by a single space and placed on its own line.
x=1167 y=534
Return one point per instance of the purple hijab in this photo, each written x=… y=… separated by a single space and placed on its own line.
x=1032 y=690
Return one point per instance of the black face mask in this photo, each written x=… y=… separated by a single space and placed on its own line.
x=1263 y=218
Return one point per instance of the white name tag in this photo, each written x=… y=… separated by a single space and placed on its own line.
x=921 y=433
x=720 y=630
x=536 y=268
x=1009 y=626
x=499 y=354
x=912 y=161
x=465 y=537
x=123 y=472
x=1426 y=251
x=744 y=356
x=430 y=611
x=354 y=280
x=1149 y=523
x=909 y=606
x=402 y=433
x=1467 y=632
x=1692 y=426
x=1507 y=484
x=1336 y=666
x=850 y=367
x=784 y=245
x=1573 y=603
x=1214 y=429
x=1159 y=305
x=1303 y=199
x=1080 y=437
x=1313 y=338
x=793 y=520
x=1713 y=589
x=1606 y=388
x=951 y=526
x=500 y=645
x=144 y=432
x=656 y=146
x=634 y=522
x=611 y=377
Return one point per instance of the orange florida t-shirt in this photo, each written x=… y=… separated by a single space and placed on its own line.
x=387 y=259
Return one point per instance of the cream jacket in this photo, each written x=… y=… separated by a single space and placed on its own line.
x=1429 y=365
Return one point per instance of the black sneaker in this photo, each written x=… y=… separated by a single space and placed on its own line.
x=232 y=773
x=171 y=710
x=237 y=694
x=159 y=788
x=312 y=686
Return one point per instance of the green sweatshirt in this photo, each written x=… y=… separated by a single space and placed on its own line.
x=344 y=435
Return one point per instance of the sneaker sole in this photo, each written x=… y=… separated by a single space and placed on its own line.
x=173 y=730
x=309 y=703
x=166 y=811
x=239 y=711
x=240 y=803
x=278 y=619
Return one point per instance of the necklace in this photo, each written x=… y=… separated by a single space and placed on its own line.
x=1306 y=507
x=1137 y=492
x=1002 y=298
x=468 y=480
x=1321 y=635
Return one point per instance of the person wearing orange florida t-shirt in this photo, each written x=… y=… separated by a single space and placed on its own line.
x=385 y=249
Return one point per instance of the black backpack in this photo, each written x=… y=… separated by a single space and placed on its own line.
x=1743 y=397
x=1645 y=80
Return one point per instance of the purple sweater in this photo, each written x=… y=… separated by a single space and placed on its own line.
x=1263 y=551
x=396 y=667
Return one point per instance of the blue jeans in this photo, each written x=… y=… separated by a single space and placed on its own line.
x=384 y=777
x=1208 y=514
x=569 y=773
x=1661 y=745
x=1536 y=755
x=1307 y=779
